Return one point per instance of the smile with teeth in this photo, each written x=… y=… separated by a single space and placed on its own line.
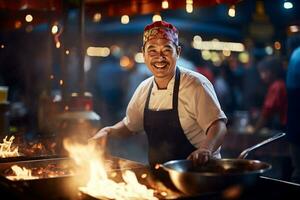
x=160 y=65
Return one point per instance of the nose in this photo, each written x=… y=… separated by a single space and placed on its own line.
x=161 y=55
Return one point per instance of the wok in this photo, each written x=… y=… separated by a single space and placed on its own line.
x=217 y=174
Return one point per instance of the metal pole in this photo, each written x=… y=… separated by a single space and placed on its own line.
x=81 y=49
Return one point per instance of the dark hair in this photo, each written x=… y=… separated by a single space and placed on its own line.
x=272 y=64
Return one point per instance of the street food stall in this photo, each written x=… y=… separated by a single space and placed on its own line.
x=50 y=53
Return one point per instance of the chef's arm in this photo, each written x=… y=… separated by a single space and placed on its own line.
x=214 y=139
x=215 y=136
x=119 y=129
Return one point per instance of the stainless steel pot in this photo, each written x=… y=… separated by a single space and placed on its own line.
x=217 y=174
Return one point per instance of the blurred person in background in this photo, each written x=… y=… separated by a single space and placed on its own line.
x=293 y=91
x=136 y=75
x=224 y=86
x=253 y=89
x=273 y=114
x=177 y=107
x=109 y=82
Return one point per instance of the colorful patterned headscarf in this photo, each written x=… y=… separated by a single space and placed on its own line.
x=162 y=30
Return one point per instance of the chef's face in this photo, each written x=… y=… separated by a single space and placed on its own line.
x=160 y=56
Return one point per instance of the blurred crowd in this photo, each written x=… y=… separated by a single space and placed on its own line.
x=240 y=87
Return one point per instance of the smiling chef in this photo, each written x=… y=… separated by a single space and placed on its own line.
x=176 y=107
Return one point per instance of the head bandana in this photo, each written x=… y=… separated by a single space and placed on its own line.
x=160 y=30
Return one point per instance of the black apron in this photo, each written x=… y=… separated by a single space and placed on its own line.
x=166 y=138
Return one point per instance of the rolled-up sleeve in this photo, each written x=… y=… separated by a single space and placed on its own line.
x=207 y=106
x=134 y=119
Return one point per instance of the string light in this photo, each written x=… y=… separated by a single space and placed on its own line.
x=189 y=6
x=97 y=17
x=54 y=29
x=156 y=18
x=29 y=18
x=57 y=32
x=57 y=44
x=231 y=11
x=165 y=4
x=98 y=51
x=125 y=19
x=277 y=45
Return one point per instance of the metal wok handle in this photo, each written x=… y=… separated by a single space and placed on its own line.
x=246 y=151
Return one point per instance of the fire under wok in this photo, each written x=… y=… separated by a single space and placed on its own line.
x=217 y=174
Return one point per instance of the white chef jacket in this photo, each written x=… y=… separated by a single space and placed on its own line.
x=198 y=106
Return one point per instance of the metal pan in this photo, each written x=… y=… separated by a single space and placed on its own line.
x=217 y=174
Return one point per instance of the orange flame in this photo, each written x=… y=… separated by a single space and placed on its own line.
x=6 y=149
x=21 y=173
x=98 y=184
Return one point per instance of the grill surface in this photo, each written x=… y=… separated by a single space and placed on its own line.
x=65 y=187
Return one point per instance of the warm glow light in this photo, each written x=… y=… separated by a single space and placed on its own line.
x=206 y=55
x=226 y=52
x=21 y=173
x=231 y=11
x=90 y=160
x=125 y=19
x=294 y=29
x=189 y=8
x=124 y=61
x=28 y=18
x=277 y=45
x=218 y=46
x=18 y=24
x=54 y=29
x=97 y=17
x=156 y=18
x=67 y=52
x=6 y=149
x=165 y=4
x=98 y=51
x=197 y=38
x=57 y=44
x=139 y=58
x=2 y=46
x=164 y=194
x=144 y=176
x=52 y=76
x=61 y=82
x=215 y=57
x=244 y=57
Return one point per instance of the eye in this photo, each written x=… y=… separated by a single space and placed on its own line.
x=151 y=51
x=167 y=50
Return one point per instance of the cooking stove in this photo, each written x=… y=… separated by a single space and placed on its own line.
x=65 y=186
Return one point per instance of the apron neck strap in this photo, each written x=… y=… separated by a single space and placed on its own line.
x=175 y=90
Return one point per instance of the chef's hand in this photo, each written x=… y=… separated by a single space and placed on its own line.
x=200 y=156
x=101 y=133
x=100 y=137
